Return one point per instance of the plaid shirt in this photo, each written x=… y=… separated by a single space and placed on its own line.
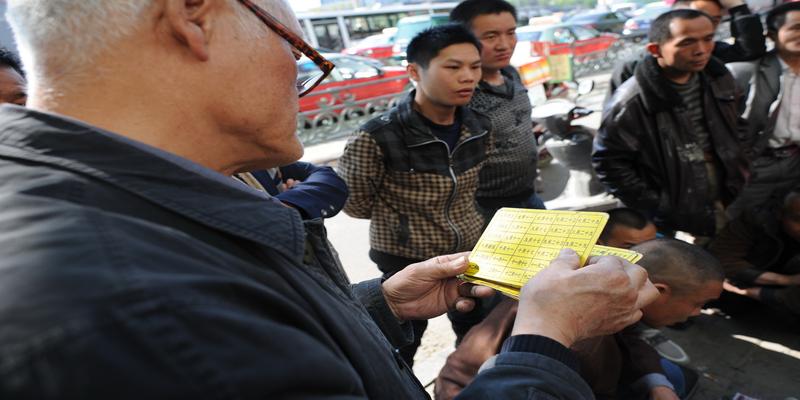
x=421 y=200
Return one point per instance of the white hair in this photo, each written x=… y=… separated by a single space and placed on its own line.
x=61 y=37
x=67 y=34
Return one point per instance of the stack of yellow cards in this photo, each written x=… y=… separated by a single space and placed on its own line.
x=518 y=243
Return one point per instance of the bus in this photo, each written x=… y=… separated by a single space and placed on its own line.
x=337 y=30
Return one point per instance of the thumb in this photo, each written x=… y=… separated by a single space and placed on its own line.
x=567 y=259
x=440 y=268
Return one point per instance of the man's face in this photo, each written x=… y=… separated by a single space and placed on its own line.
x=626 y=237
x=498 y=35
x=12 y=87
x=675 y=307
x=790 y=219
x=690 y=47
x=257 y=102
x=788 y=37
x=712 y=8
x=451 y=76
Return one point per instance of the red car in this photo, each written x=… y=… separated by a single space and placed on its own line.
x=582 y=42
x=376 y=46
x=355 y=82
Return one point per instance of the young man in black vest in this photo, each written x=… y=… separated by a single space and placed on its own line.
x=413 y=171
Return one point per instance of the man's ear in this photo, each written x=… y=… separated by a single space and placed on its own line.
x=664 y=290
x=189 y=22
x=654 y=49
x=413 y=70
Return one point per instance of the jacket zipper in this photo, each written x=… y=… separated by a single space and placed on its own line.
x=453 y=192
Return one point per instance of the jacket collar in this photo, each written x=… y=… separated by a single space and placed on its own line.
x=197 y=193
x=659 y=95
x=417 y=132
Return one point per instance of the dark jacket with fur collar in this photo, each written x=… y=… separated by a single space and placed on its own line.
x=641 y=150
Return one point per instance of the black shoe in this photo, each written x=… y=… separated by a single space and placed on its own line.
x=691 y=378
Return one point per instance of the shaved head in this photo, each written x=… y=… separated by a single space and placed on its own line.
x=682 y=266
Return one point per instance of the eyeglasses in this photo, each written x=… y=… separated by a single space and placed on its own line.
x=305 y=82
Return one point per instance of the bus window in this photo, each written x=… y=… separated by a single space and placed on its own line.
x=327 y=32
x=358 y=27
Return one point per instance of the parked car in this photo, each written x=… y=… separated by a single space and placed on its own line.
x=590 y=49
x=376 y=46
x=409 y=27
x=623 y=7
x=558 y=39
x=603 y=21
x=638 y=25
x=355 y=79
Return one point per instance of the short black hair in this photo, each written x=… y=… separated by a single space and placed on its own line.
x=9 y=59
x=683 y=266
x=687 y=3
x=623 y=216
x=427 y=44
x=777 y=16
x=468 y=10
x=659 y=28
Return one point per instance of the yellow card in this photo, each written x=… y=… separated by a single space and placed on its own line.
x=597 y=250
x=507 y=290
x=629 y=255
x=518 y=243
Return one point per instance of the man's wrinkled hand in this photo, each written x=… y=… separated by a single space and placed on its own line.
x=569 y=304
x=428 y=289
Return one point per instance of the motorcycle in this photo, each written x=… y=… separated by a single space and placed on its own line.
x=570 y=145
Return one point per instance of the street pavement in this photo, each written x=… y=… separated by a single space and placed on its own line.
x=737 y=347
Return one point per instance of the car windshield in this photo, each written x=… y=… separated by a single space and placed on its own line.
x=650 y=12
x=406 y=31
x=585 y=17
x=529 y=36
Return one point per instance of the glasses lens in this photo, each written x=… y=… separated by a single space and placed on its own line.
x=305 y=82
x=308 y=75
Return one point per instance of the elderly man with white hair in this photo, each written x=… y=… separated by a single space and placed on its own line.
x=133 y=266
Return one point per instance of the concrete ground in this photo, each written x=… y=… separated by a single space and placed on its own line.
x=737 y=346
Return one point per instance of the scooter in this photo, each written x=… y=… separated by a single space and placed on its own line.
x=570 y=145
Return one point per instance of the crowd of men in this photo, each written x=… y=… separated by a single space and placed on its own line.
x=161 y=240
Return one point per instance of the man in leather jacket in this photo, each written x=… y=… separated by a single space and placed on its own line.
x=669 y=143
x=745 y=27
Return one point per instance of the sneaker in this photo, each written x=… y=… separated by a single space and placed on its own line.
x=665 y=347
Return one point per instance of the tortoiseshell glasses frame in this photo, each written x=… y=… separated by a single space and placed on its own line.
x=306 y=83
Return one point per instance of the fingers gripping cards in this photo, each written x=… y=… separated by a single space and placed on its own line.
x=518 y=243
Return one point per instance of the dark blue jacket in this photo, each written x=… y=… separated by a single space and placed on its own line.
x=320 y=192
x=124 y=275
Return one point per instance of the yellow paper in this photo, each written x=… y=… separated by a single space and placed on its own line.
x=507 y=290
x=597 y=250
x=629 y=255
x=518 y=243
